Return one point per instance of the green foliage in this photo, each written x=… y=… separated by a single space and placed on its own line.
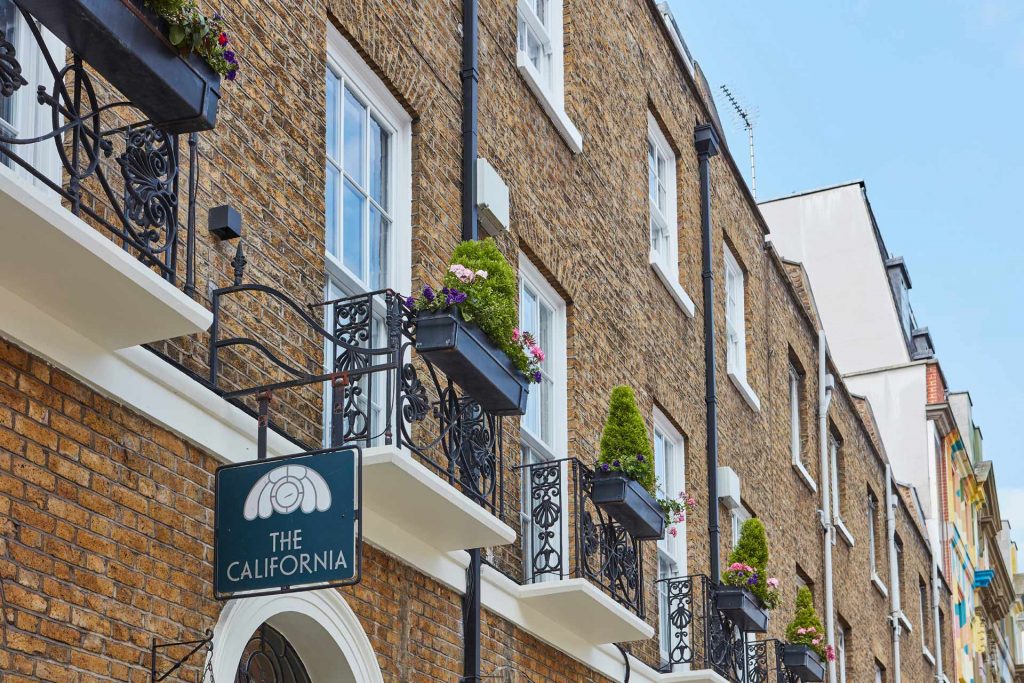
x=491 y=302
x=625 y=446
x=481 y=284
x=806 y=627
x=748 y=564
x=190 y=30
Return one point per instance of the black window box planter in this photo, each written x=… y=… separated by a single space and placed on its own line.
x=127 y=44
x=804 y=662
x=630 y=505
x=742 y=608
x=465 y=354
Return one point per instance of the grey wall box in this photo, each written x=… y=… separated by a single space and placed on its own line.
x=225 y=222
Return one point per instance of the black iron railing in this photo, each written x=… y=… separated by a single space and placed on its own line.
x=699 y=637
x=764 y=663
x=111 y=167
x=565 y=535
x=381 y=392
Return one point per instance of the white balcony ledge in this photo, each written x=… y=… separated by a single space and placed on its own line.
x=590 y=612
x=695 y=676
x=399 y=491
x=75 y=274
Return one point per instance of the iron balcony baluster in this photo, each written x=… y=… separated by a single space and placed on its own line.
x=557 y=497
x=134 y=197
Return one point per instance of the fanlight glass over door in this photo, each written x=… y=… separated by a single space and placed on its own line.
x=269 y=658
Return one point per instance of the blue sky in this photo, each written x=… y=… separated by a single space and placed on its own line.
x=924 y=101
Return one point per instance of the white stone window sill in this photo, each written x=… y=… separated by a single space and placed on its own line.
x=672 y=284
x=905 y=622
x=877 y=583
x=805 y=476
x=563 y=124
x=745 y=391
x=843 y=531
x=928 y=655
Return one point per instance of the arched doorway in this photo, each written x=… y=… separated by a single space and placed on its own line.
x=269 y=658
x=312 y=637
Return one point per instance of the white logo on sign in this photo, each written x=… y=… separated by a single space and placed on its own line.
x=285 y=489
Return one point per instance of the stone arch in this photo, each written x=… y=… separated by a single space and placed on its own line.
x=320 y=625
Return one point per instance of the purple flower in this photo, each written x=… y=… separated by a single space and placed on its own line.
x=616 y=464
x=456 y=297
x=640 y=457
x=604 y=467
x=752 y=581
x=410 y=302
x=428 y=293
x=537 y=377
x=232 y=74
x=229 y=56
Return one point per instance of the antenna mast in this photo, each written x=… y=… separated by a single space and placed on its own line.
x=746 y=116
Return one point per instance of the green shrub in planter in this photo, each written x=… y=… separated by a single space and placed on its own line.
x=625 y=446
x=748 y=565
x=806 y=628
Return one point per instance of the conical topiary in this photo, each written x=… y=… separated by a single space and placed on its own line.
x=806 y=628
x=748 y=564
x=625 y=446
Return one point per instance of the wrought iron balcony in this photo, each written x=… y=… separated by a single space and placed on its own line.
x=699 y=637
x=99 y=205
x=408 y=417
x=66 y=130
x=567 y=536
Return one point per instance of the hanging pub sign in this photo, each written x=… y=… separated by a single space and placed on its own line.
x=288 y=524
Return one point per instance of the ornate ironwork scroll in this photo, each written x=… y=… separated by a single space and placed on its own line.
x=137 y=201
x=388 y=396
x=699 y=635
x=603 y=551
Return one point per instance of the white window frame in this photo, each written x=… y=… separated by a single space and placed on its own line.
x=665 y=259
x=30 y=118
x=345 y=62
x=549 y=89
x=739 y=515
x=872 y=519
x=736 y=328
x=841 y=653
x=671 y=549
x=834 y=456
x=796 y=380
x=532 y=444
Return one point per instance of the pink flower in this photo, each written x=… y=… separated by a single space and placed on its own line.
x=801 y=631
x=672 y=530
x=773 y=582
x=815 y=641
x=691 y=501
x=830 y=653
x=516 y=334
x=462 y=272
x=537 y=352
x=482 y=274
x=680 y=518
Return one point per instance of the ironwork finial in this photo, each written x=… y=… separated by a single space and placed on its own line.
x=238 y=262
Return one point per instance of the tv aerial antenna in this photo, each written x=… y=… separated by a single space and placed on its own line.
x=746 y=116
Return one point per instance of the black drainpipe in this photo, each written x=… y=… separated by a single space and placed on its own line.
x=706 y=141
x=470 y=87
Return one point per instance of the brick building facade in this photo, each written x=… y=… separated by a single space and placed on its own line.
x=108 y=454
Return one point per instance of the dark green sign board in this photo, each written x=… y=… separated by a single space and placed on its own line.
x=288 y=524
